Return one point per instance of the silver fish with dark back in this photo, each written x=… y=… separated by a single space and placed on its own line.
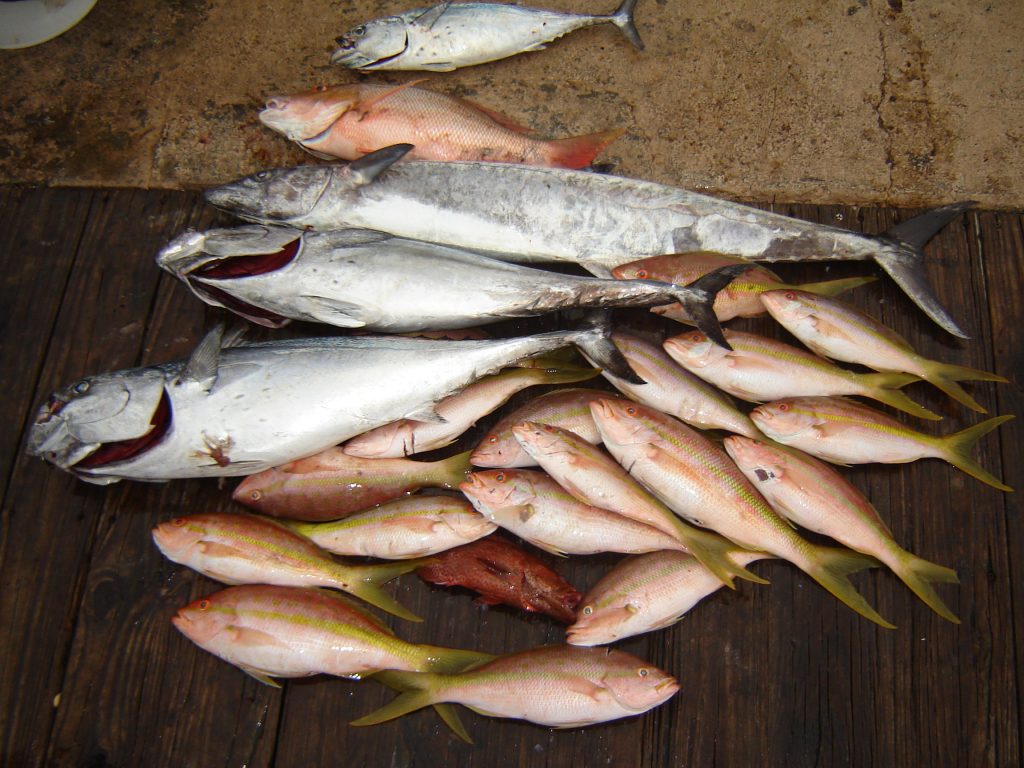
x=449 y=35
x=556 y=215
x=237 y=411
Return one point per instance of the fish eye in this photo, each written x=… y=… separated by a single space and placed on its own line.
x=359 y=31
x=262 y=175
x=632 y=411
x=790 y=296
x=783 y=407
x=178 y=522
x=500 y=477
x=320 y=88
x=696 y=337
x=492 y=439
x=81 y=387
x=203 y=605
x=643 y=672
x=642 y=274
x=548 y=428
x=587 y=610
x=256 y=495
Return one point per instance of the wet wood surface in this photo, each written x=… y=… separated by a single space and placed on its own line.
x=92 y=673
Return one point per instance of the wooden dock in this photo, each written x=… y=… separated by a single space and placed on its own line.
x=92 y=673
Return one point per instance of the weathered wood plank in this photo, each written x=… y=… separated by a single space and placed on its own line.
x=50 y=518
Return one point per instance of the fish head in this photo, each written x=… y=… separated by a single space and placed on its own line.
x=622 y=422
x=601 y=619
x=500 y=449
x=652 y=268
x=277 y=195
x=694 y=349
x=636 y=685
x=498 y=488
x=790 y=306
x=204 y=620
x=395 y=439
x=545 y=439
x=305 y=116
x=756 y=459
x=207 y=253
x=782 y=420
x=101 y=419
x=174 y=538
x=260 y=490
x=373 y=43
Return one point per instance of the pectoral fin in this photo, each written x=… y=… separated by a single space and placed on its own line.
x=340 y=313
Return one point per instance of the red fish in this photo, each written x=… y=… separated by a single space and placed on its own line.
x=504 y=574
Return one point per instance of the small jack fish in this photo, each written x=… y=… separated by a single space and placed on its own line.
x=449 y=35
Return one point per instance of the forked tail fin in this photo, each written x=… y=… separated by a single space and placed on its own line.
x=905 y=263
x=623 y=19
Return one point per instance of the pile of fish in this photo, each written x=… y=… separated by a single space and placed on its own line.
x=323 y=428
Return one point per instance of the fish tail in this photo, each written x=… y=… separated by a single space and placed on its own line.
x=623 y=19
x=835 y=287
x=956 y=449
x=905 y=262
x=450 y=661
x=368 y=586
x=578 y=152
x=918 y=574
x=453 y=470
x=829 y=566
x=945 y=376
x=594 y=338
x=713 y=552
x=698 y=299
x=884 y=388
x=415 y=693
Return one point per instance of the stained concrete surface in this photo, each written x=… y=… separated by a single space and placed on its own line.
x=893 y=102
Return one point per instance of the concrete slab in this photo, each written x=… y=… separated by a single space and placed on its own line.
x=894 y=102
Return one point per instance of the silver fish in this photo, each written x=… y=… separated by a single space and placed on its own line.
x=550 y=214
x=363 y=279
x=449 y=35
x=241 y=410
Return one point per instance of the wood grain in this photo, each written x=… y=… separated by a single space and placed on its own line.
x=775 y=675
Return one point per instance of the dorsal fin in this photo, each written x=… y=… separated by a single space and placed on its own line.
x=364 y=170
x=502 y=120
x=430 y=16
x=202 y=363
x=363 y=105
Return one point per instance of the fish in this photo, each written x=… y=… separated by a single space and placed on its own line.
x=559 y=686
x=349 y=121
x=218 y=413
x=568 y=409
x=674 y=390
x=532 y=506
x=369 y=280
x=841 y=431
x=274 y=631
x=460 y=412
x=597 y=221
x=593 y=477
x=247 y=549
x=698 y=481
x=411 y=527
x=503 y=574
x=446 y=36
x=643 y=593
x=815 y=496
x=333 y=484
x=836 y=329
x=741 y=298
x=759 y=369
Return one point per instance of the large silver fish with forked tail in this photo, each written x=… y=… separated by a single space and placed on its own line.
x=241 y=410
x=450 y=35
x=363 y=279
x=549 y=214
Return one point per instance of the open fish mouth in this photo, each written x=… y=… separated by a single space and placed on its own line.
x=125 y=450
x=202 y=279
